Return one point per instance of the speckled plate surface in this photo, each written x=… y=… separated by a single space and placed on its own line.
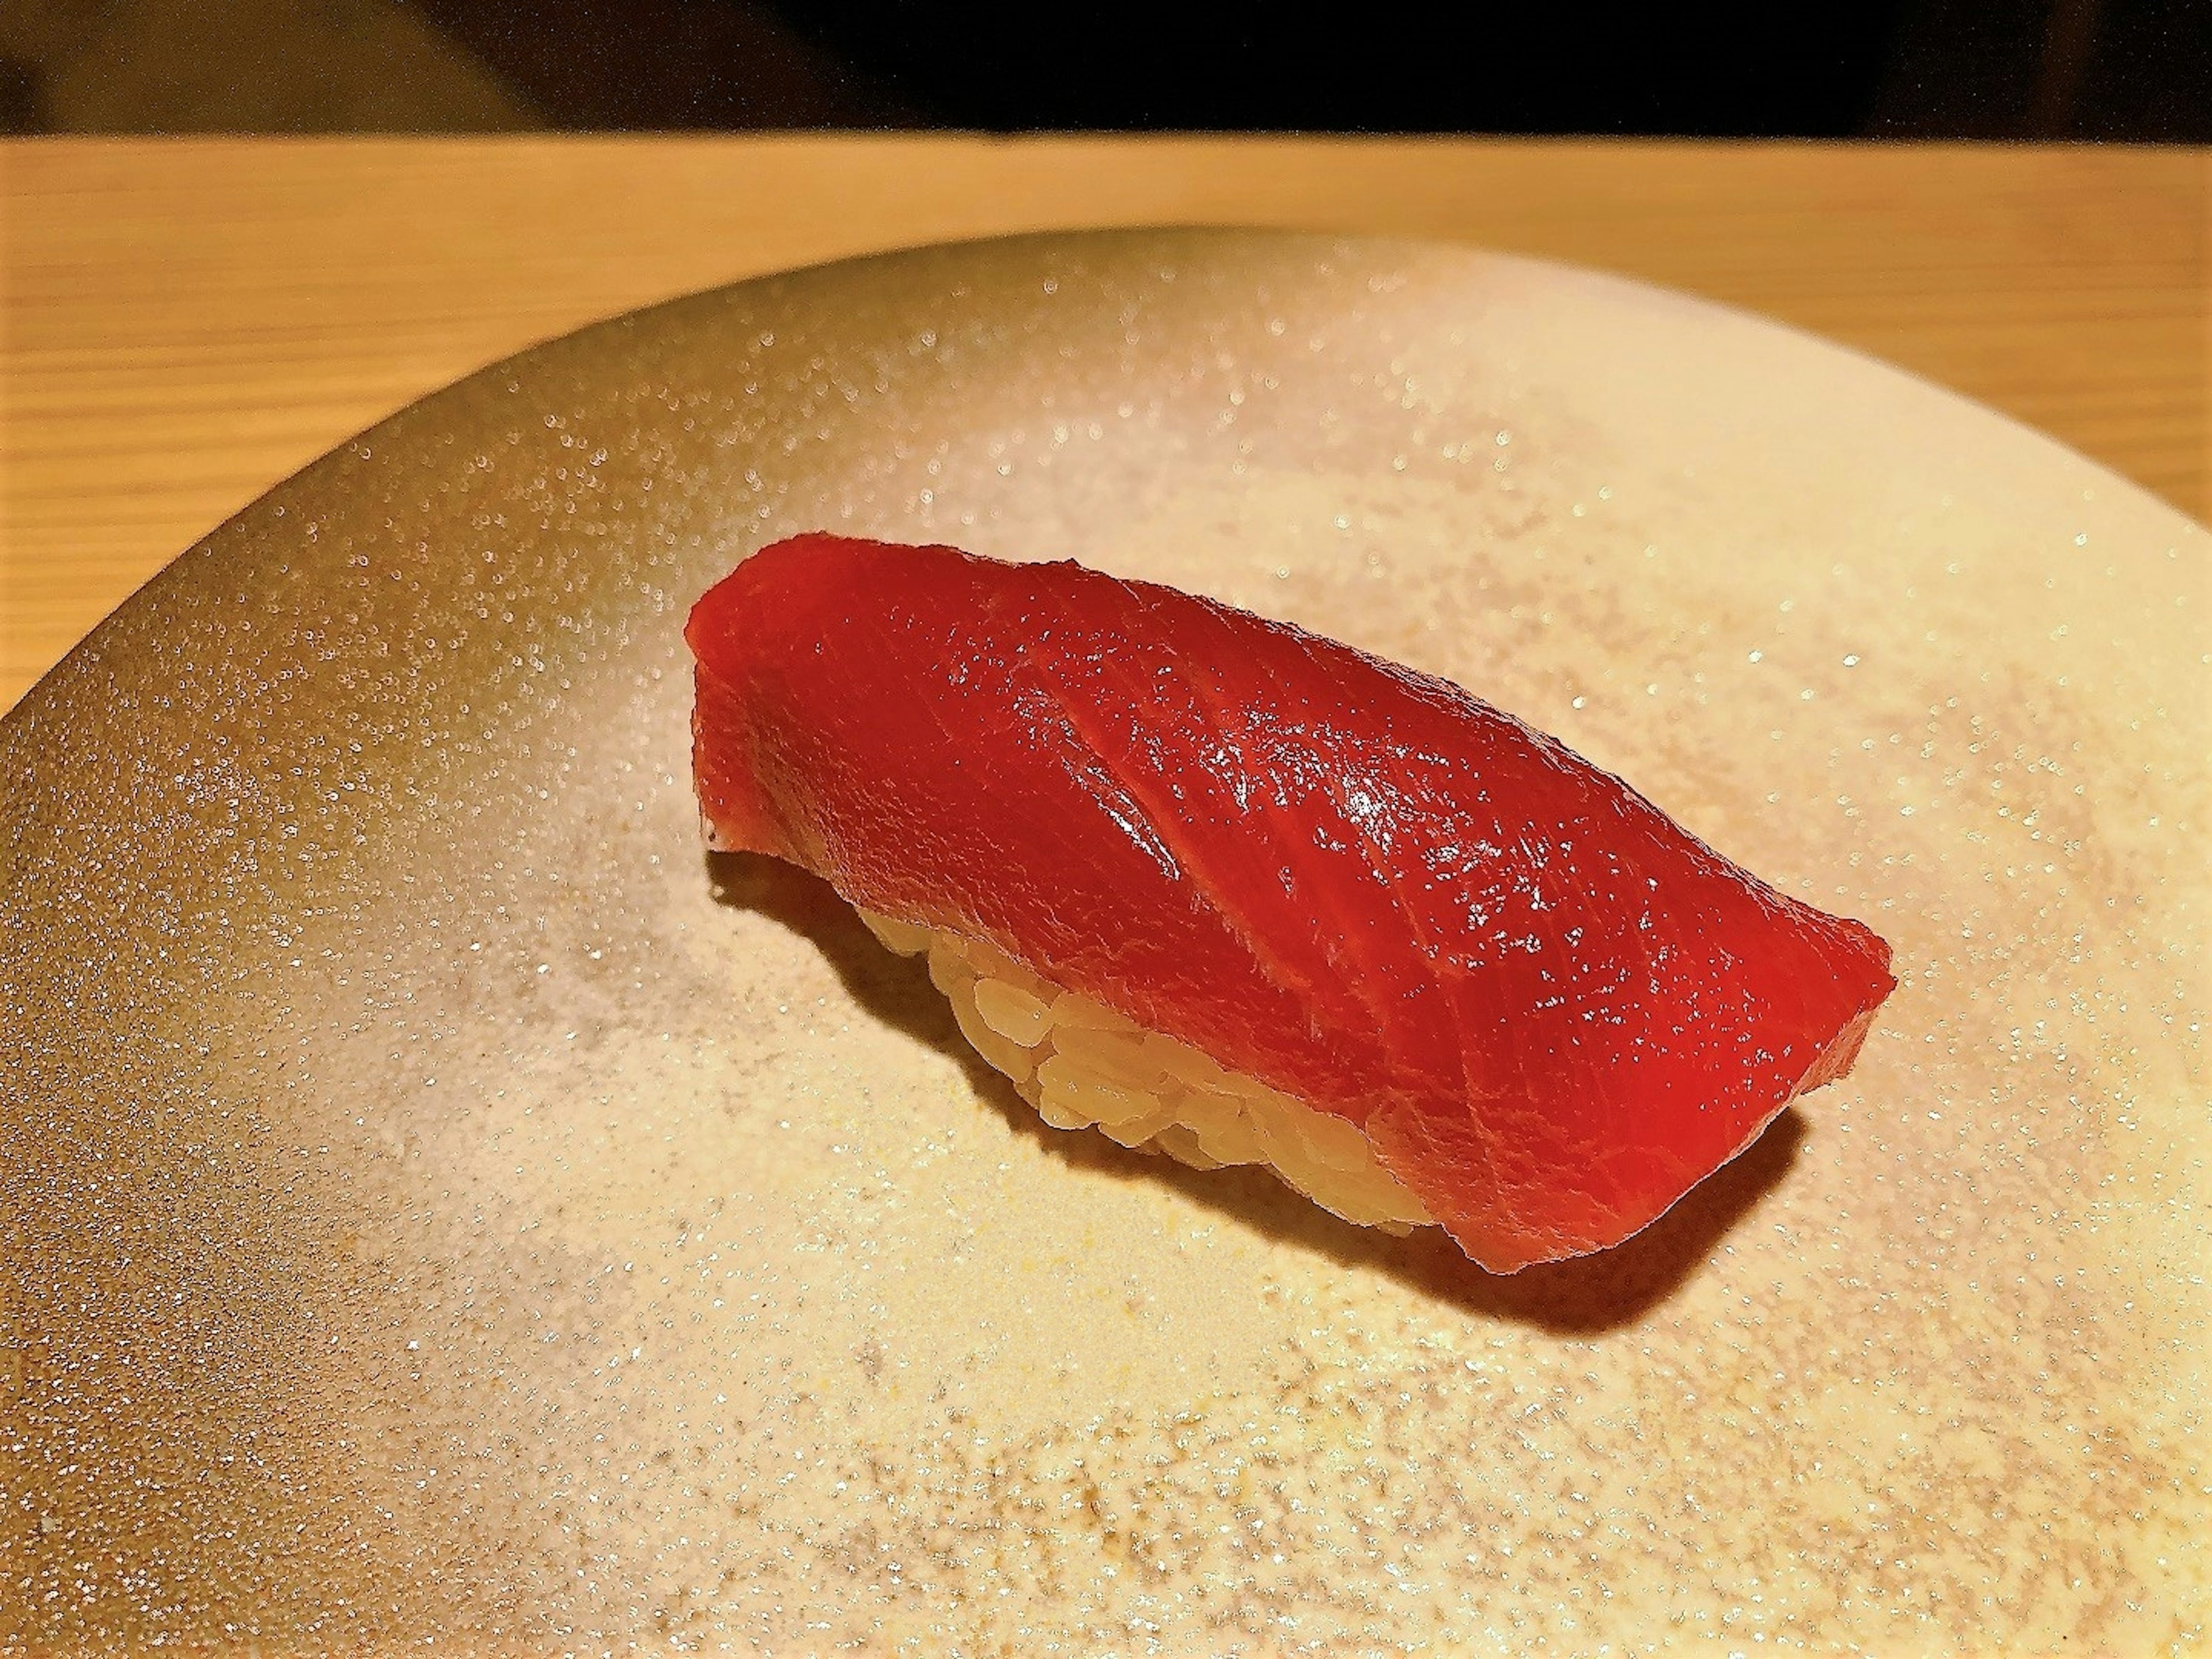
x=442 y=1202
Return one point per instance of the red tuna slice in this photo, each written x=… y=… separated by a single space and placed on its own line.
x=1551 y=1009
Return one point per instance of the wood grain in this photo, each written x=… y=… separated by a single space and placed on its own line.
x=187 y=322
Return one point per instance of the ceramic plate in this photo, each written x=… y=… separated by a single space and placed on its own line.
x=444 y=1202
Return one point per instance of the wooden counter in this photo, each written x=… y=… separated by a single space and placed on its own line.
x=187 y=321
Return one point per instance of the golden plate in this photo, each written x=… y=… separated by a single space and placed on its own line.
x=442 y=1202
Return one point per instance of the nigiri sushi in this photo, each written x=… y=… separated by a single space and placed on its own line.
x=1232 y=891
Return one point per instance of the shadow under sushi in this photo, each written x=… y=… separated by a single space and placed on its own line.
x=1585 y=1296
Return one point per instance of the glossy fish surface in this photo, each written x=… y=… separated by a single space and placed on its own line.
x=1550 y=1010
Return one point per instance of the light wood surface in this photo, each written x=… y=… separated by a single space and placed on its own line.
x=187 y=322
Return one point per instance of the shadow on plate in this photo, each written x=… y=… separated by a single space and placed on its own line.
x=1585 y=1296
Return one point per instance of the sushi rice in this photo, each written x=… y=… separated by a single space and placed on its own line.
x=1084 y=1065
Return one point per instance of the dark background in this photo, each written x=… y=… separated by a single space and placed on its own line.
x=2120 y=70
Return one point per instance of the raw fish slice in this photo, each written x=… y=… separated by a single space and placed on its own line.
x=1547 y=1010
